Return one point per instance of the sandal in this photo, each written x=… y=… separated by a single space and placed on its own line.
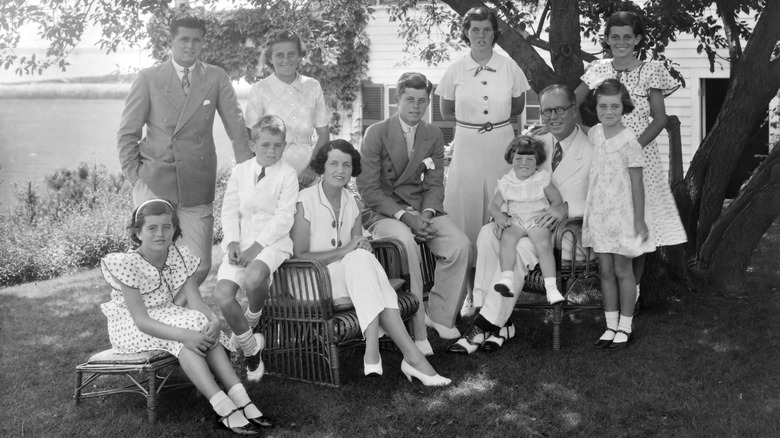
x=247 y=429
x=261 y=421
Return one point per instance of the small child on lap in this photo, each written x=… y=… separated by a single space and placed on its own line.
x=257 y=215
x=522 y=196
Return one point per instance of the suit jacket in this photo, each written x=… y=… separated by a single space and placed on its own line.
x=571 y=175
x=391 y=180
x=176 y=158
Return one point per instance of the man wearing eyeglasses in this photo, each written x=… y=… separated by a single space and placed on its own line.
x=569 y=157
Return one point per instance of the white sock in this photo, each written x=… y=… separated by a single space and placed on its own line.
x=550 y=284
x=223 y=405
x=239 y=396
x=253 y=318
x=612 y=323
x=625 y=326
x=248 y=343
x=509 y=275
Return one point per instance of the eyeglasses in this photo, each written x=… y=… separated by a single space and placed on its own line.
x=559 y=110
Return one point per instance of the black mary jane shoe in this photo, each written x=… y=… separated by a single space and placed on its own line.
x=248 y=429
x=604 y=343
x=262 y=421
x=622 y=345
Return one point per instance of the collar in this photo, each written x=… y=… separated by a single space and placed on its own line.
x=257 y=167
x=281 y=85
x=405 y=127
x=180 y=70
x=566 y=142
x=473 y=65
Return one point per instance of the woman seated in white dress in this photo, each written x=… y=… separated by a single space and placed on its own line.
x=328 y=228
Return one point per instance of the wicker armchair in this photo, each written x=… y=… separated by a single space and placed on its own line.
x=305 y=329
x=577 y=278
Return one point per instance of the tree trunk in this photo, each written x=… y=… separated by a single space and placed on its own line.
x=565 y=42
x=754 y=81
x=725 y=255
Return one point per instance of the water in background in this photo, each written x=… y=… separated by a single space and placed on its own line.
x=38 y=136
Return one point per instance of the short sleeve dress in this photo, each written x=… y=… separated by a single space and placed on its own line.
x=358 y=275
x=608 y=225
x=481 y=95
x=157 y=287
x=665 y=224
x=300 y=104
x=525 y=199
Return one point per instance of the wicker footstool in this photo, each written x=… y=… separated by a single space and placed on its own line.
x=149 y=373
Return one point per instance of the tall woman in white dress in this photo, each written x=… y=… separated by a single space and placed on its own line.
x=482 y=91
x=296 y=98
x=328 y=228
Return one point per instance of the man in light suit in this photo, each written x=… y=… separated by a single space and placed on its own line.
x=402 y=184
x=176 y=159
x=572 y=166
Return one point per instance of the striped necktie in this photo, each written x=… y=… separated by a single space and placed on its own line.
x=557 y=155
x=185 y=81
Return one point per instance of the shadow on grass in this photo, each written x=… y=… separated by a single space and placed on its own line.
x=706 y=365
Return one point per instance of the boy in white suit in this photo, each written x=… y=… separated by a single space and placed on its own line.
x=257 y=215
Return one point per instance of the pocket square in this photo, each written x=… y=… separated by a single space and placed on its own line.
x=206 y=102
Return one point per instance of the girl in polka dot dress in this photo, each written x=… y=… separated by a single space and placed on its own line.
x=142 y=316
x=648 y=83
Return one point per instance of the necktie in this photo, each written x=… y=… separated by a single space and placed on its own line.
x=185 y=81
x=409 y=136
x=484 y=67
x=261 y=176
x=557 y=155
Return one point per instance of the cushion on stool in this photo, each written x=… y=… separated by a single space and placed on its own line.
x=144 y=357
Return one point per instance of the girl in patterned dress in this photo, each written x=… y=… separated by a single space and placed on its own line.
x=296 y=98
x=648 y=83
x=142 y=316
x=614 y=222
x=522 y=196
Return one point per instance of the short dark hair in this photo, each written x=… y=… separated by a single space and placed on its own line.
x=526 y=145
x=479 y=13
x=280 y=36
x=613 y=87
x=625 y=18
x=271 y=123
x=562 y=88
x=154 y=207
x=317 y=163
x=415 y=80
x=187 y=20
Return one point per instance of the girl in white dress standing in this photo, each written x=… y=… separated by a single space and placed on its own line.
x=142 y=316
x=296 y=98
x=328 y=228
x=614 y=224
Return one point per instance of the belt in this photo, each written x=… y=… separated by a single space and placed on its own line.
x=484 y=127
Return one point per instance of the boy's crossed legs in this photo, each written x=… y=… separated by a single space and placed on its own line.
x=541 y=238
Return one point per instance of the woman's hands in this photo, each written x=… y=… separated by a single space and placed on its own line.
x=212 y=330
x=197 y=342
x=641 y=229
x=243 y=258
x=359 y=242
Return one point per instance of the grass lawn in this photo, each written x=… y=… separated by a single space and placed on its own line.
x=706 y=365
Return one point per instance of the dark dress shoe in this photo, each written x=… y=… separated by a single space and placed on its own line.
x=622 y=345
x=249 y=429
x=604 y=343
x=261 y=421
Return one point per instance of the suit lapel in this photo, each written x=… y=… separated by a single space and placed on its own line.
x=199 y=86
x=572 y=160
x=170 y=83
x=396 y=147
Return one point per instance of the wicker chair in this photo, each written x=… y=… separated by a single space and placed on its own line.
x=305 y=329
x=150 y=373
x=577 y=279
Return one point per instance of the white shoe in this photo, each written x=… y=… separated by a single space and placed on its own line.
x=435 y=380
x=255 y=368
x=425 y=347
x=554 y=297
x=444 y=332
x=373 y=370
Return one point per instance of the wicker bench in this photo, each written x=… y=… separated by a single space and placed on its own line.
x=149 y=373
x=305 y=329
x=577 y=281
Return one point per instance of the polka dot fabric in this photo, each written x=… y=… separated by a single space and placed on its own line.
x=157 y=288
x=665 y=225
